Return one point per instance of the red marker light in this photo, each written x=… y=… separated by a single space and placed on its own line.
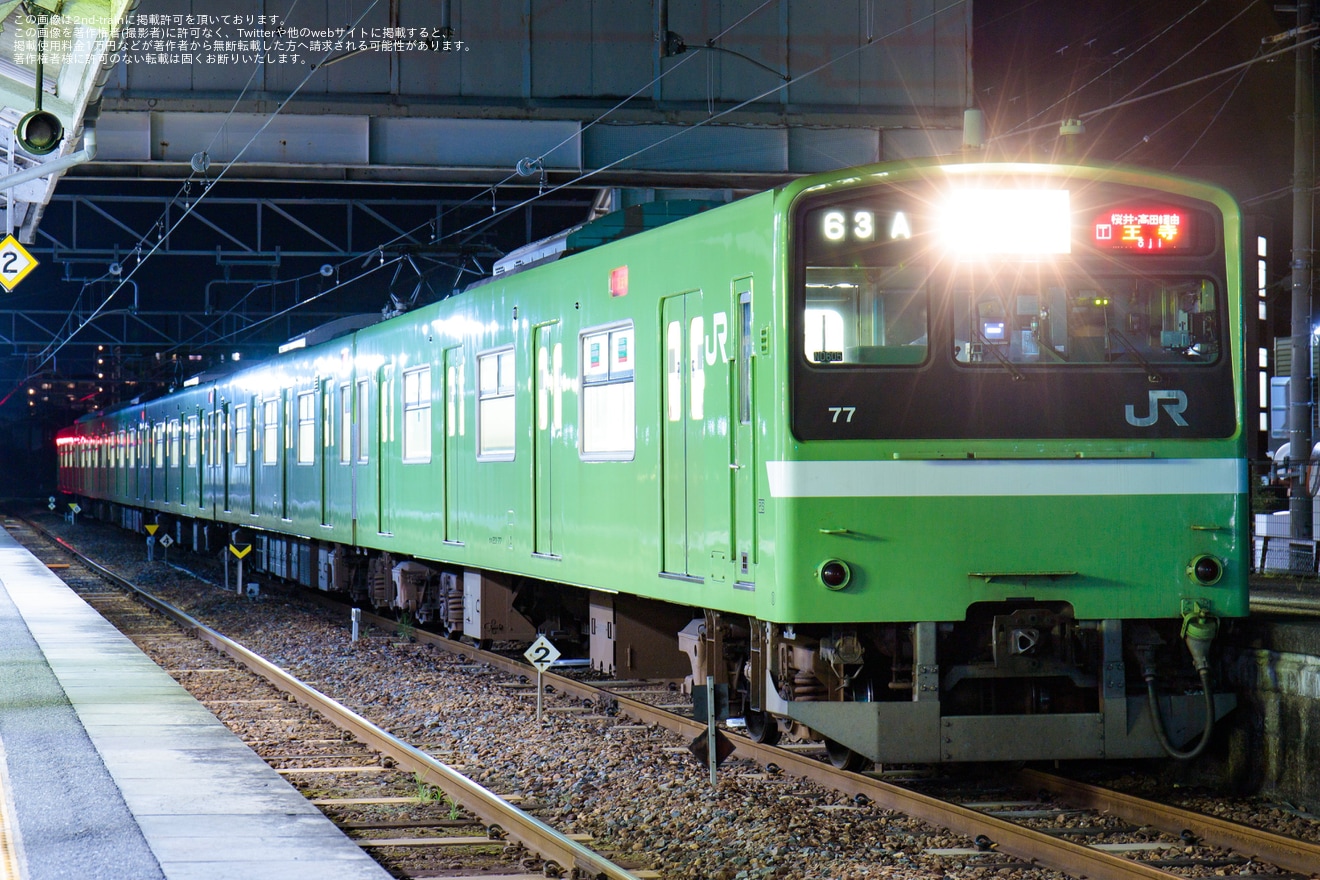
x=619 y=281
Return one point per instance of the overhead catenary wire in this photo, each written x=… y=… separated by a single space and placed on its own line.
x=47 y=355
x=712 y=118
x=1232 y=68
x=537 y=163
x=544 y=191
x=1110 y=69
x=1148 y=136
x=1209 y=125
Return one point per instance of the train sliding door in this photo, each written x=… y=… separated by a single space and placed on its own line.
x=742 y=452
x=682 y=500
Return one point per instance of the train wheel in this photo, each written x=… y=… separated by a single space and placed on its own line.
x=762 y=728
x=843 y=757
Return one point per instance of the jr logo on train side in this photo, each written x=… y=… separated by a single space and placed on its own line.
x=1171 y=401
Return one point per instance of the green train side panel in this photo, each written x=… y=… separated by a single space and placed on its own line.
x=598 y=522
x=673 y=522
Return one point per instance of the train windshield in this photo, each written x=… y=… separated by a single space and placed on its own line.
x=1017 y=313
x=1045 y=313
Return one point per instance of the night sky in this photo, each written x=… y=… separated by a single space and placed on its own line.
x=1039 y=62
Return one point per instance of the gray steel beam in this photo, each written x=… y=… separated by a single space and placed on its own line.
x=165 y=329
x=330 y=228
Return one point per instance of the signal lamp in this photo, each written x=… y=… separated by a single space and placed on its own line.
x=834 y=574
x=1205 y=570
x=40 y=132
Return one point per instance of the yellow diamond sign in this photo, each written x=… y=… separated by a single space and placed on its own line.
x=15 y=262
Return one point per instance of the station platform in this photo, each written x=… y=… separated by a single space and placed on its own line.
x=109 y=769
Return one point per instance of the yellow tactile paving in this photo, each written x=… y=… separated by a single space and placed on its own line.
x=9 y=861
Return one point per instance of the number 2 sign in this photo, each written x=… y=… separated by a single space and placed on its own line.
x=15 y=262
x=541 y=654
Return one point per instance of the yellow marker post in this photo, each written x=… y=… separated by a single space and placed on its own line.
x=239 y=551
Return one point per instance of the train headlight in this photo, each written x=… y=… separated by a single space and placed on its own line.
x=834 y=574
x=1206 y=570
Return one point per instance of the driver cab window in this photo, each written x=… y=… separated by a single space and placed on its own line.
x=865 y=316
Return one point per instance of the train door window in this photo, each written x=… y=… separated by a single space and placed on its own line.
x=241 y=434
x=191 y=440
x=174 y=443
x=745 y=359
x=327 y=414
x=159 y=429
x=674 y=370
x=609 y=422
x=345 y=424
x=307 y=427
x=363 y=423
x=495 y=406
x=386 y=405
x=417 y=415
x=270 y=431
x=454 y=412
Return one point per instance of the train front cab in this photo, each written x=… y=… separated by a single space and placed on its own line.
x=1012 y=488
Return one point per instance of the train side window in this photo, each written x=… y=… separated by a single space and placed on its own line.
x=417 y=415
x=307 y=427
x=495 y=406
x=270 y=431
x=241 y=434
x=609 y=421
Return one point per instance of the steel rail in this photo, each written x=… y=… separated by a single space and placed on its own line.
x=1026 y=844
x=1029 y=845
x=1277 y=849
x=526 y=829
x=1288 y=604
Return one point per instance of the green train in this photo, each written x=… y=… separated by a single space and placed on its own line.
x=930 y=461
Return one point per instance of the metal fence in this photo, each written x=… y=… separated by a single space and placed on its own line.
x=1273 y=549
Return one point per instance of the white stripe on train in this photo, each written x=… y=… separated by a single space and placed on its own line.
x=984 y=478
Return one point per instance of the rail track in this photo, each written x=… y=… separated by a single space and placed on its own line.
x=478 y=819
x=1003 y=835
x=996 y=831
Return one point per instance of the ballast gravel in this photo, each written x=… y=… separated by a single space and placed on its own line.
x=634 y=788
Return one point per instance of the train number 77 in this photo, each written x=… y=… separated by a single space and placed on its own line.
x=845 y=411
